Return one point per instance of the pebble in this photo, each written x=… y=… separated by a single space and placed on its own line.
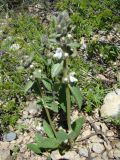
x=97 y=147
x=4 y=145
x=110 y=133
x=105 y=156
x=107 y=146
x=5 y=154
x=55 y=155
x=83 y=152
x=10 y=136
x=72 y=155
x=118 y=145
x=110 y=154
x=116 y=153
x=95 y=139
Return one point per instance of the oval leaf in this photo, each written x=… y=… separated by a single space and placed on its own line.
x=48 y=129
x=76 y=127
x=77 y=95
x=56 y=69
x=47 y=84
x=34 y=148
x=28 y=86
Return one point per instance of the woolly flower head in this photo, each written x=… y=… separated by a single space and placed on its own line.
x=58 y=53
x=72 y=77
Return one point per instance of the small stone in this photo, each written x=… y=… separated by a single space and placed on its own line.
x=20 y=139
x=110 y=133
x=23 y=148
x=83 y=152
x=55 y=155
x=86 y=133
x=95 y=139
x=105 y=156
x=72 y=155
x=4 y=145
x=107 y=146
x=118 y=145
x=10 y=136
x=27 y=154
x=98 y=148
x=116 y=153
x=110 y=154
x=5 y=154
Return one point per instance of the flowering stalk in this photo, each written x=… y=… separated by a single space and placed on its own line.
x=67 y=90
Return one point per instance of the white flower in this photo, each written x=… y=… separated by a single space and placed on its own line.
x=69 y=36
x=15 y=47
x=31 y=66
x=65 y=80
x=58 y=54
x=72 y=78
x=66 y=55
x=83 y=44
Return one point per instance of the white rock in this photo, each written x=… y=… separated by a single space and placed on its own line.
x=107 y=146
x=111 y=106
x=95 y=139
x=118 y=145
x=86 y=133
x=55 y=155
x=5 y=154
x=83 y=152
x=111 y=154
x=110 y=133
x=116 y=153
x=105 y=156
x=110 y=95
x=97 y=147
x=72 y=155
x=4 y=145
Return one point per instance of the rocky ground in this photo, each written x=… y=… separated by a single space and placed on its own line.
x=97 y=141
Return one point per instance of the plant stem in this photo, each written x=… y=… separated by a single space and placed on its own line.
x=47 y=113
x=50 y=120
x=68 y=107
x=67 y=91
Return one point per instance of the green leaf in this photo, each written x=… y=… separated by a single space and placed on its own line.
x=76 y=127
x=48 y=143
x=37 y=73
x=62 y=136
x=28 y=86
x=48 y=129
x=56 y=69
x=77 y=94
x=53 y=106
x=47 y=83
x=34 y=148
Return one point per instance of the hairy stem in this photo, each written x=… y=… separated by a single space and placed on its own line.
x=67 y=90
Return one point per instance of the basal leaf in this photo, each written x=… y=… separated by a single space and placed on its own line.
x=56 y=69
x=77 y=95
x=48 y=129
x=28 y=86
x=48 y=143
x=34 y=148
x=62 y=135
x=76 y=127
